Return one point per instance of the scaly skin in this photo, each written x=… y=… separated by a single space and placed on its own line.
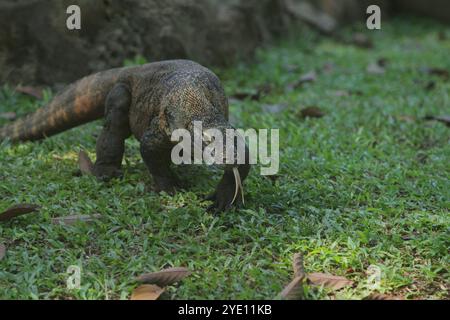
x=149 y=102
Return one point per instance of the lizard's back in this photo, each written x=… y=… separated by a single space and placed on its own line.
x=179 y=86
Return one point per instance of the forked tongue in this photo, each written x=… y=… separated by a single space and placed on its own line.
x=238 y=185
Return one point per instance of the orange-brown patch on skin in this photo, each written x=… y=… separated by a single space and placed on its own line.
x=82 y=105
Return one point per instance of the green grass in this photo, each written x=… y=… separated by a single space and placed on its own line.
x=358 y=187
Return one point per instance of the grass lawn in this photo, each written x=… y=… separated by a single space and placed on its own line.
x=366 y=184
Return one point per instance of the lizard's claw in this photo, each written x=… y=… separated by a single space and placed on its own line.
x=106 y=173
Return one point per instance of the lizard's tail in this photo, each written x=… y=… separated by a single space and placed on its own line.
x=79 y=103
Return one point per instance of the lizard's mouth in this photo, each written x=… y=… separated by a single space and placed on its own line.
x=233 y=166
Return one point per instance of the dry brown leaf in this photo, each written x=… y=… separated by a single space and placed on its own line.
x=31 y=91
x=146 y=292
x=443 y=73
x=297 y=265
x=2 y=251
x=18 y=210
x=8 y=116
x=85 y=163
x=443 y=119
x=164 y=277
x=72 y=219
x=329 y=281
x=381 y=296
x=294 y=290
x=312 y=112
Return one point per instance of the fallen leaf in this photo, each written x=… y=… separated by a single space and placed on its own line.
x=72 y=219
x=361 y=40
x=8 y=116
x=146 y=292
x=164 y=277
x=294 y=290
x=440 y=72
x=443 y=119
x=381 y=296
x=312 y=112
x=274 y=108
x=297 y=265
x=2 y=251
x=329 y=281
x=18 y=211
x=31 y=91
x=85 y=163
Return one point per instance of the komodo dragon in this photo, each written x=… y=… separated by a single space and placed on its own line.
x=149 y=102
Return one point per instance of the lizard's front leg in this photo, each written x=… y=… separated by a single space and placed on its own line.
x=111 y=142
x=155 y=151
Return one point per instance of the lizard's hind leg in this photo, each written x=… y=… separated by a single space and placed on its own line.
x=111 y=142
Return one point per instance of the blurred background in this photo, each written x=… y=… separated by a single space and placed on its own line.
x=37 y=48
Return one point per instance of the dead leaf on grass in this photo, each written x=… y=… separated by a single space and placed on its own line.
x=35 y=92
x=85 y=163
x=381 y=296
x=297 y=265
x=146 y=292
x=164 y=277
x=440 y=72
x=312 y=112
x=329 y=281
x=18 y=210
x=294 y=290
